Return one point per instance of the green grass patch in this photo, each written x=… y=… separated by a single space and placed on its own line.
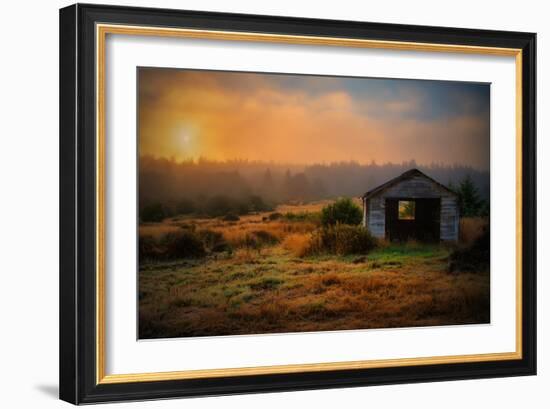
x=266 y=283
x=402 y=254
x=313 y=217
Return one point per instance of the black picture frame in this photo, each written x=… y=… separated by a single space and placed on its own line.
x=78 y=360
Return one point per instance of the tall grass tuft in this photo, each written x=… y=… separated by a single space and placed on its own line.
x=298 y=244
x=341 y=240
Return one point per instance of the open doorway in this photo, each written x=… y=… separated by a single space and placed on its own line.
x=417 y=219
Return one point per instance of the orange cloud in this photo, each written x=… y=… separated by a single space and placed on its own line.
x=186 y=114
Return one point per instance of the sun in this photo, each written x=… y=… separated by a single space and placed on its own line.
x=185 y=138
x=185 y=141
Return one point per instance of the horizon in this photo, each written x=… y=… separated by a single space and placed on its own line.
x=230 y=161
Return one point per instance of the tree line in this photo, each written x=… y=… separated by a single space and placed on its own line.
x=239 y=186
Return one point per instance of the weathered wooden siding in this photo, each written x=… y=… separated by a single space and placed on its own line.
x=416 y=187
x=449 y=218
x=376 y=217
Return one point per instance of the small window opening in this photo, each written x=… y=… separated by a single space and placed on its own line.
x=406 y=210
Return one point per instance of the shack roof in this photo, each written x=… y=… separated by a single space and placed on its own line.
x=404 y=176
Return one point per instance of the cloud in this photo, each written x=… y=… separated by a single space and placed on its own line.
x=189 y=114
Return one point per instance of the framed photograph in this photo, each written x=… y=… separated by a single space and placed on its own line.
x=257 y=203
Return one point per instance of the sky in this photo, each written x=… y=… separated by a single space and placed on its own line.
x=307 y=119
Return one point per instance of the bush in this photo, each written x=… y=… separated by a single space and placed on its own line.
x=231 y=217
x=213 y=240
x=275 y=216
x=265 y=238
x=343 y=211
x=258 y=239
x=148 y=249
x=342 y=240
x=474 y=258
x=155 y=212
x=184 y=244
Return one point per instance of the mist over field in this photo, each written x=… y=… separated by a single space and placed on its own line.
x=168 y=181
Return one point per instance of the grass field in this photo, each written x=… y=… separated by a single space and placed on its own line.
x=271 y=284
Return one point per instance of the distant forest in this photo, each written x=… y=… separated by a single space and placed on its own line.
x=169 y=182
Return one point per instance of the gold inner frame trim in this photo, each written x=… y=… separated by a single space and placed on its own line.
x=101 y=32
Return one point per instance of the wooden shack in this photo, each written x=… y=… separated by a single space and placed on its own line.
x=412 y=206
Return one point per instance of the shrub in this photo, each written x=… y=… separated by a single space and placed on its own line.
x=275 y=216
x=343 y=211
x=154 y=212
x=148 y=248
x=213 y=240
x=265 y=238
x=474 y=258
x=342 y=239
x=184 y=244
x=231 y=217
x=258 y=239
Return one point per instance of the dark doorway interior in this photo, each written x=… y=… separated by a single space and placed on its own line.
x=416 y=219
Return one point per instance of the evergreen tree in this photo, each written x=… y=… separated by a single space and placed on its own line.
x=469 y=200
x=286 y=186
x=268 y=178
x=268 y=186
x=298 y=187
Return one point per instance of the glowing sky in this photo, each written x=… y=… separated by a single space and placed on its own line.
x=187 y=114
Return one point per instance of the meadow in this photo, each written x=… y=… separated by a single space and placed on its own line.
x=273 y=271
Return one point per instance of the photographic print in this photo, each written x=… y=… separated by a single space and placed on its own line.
x=258 y=204
x=280 y=203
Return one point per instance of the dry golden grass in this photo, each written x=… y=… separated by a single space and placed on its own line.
x=245 y=256
x=267 y=292
x=238 y=234
x=297 y=243
x=157 y=230
x=298 y=208
x=279 y=287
